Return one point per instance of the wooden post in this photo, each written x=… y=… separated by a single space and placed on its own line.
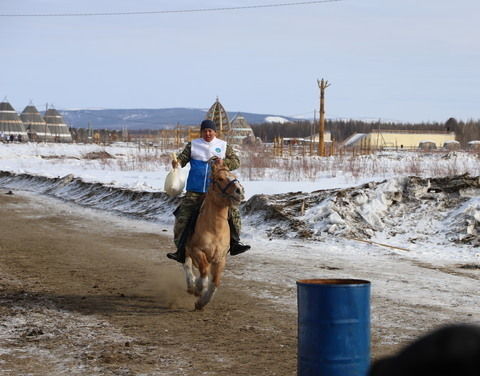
x=46 y=127
x=177 y=136
x=323 y=84
x=312 y=131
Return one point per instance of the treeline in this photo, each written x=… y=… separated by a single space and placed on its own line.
x=267 y=132
x=464 y=131
x=342 y=129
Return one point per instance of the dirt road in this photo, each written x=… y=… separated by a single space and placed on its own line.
x=82 y=293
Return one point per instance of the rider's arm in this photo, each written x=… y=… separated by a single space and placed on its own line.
x=231 y=159
x=184 y=156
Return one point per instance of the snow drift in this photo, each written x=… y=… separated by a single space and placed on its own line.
x=406 y=210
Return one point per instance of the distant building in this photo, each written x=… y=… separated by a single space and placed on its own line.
x=240 y=130
x=57 y=127
x=218 y=114
x=35 y=125
x=393 y=139
x=327 y=137
x=474 y=145
x=451 y=145
x=427 y=145
x=10 y=123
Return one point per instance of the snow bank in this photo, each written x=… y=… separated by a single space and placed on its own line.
x=156 y=206
x=407 y=211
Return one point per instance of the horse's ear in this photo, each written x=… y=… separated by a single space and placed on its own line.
x=216 y=163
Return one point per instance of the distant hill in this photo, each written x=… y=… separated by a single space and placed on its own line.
x=151 y=118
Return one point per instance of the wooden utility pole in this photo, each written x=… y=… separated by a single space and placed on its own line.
x=46 y=127
x=322 y=84
x=312 y=131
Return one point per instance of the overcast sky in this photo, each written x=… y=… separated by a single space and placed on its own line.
x=405 y=60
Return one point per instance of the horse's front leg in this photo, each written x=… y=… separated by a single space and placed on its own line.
x=216 y=272
x=202 y=281
x=190 y=277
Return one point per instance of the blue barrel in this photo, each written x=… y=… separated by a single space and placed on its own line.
x=333 y=327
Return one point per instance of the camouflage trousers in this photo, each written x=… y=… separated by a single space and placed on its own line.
x=190 y=204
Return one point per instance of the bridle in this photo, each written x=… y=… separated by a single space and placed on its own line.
x=224 y=190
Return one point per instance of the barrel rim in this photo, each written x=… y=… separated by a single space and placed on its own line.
x=333 y=282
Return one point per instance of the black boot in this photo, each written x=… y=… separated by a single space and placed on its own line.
x=236 y=247
x=178 y=256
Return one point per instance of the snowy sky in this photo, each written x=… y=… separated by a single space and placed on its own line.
x=404 y=60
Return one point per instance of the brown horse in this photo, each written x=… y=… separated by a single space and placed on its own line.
x=208 y=246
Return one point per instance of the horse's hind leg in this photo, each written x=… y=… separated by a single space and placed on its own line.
x=190 y=277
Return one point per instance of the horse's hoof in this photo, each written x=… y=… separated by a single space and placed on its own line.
x=191 y=291
x=198 y=306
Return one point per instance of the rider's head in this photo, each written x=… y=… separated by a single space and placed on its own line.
x=208 y=130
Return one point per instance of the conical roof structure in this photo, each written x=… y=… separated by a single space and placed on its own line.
x=10 y=123
x=218 y=114
x=35 y=125
x=57 y=126
x=240 y=129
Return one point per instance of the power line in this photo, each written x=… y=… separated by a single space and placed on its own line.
x=168 y=11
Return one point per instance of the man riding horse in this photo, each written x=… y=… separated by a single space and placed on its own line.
x=198 y=153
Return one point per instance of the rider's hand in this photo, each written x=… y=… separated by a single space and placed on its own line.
x=174 y=164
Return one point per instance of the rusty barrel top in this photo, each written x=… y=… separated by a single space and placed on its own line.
x=333 y=282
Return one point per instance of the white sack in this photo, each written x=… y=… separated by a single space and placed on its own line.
x=174 y=182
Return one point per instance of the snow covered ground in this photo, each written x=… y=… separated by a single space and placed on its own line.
x=140 y=168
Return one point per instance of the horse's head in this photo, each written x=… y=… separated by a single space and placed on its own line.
x=225 y=183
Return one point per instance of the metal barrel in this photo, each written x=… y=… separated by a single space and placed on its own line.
x=333 y=327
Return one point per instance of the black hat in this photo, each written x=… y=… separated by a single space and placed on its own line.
x=208 y=124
